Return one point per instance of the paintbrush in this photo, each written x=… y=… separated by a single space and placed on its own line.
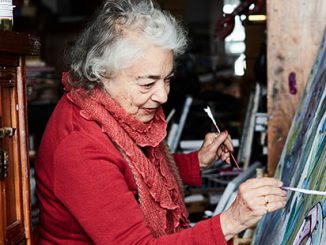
x=210 y=115
x=305 y=191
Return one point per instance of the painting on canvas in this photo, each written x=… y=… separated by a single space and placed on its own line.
x=302 y=164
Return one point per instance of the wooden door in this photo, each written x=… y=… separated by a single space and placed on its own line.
x=15 y=219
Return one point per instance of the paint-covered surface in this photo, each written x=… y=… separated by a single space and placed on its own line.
x=294 y=31
x=303 y=165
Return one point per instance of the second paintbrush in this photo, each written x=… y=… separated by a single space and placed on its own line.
x=209 y=113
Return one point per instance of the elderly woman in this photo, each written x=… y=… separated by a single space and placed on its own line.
x=104 y=173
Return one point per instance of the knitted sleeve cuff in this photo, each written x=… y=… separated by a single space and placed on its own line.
x=188 y=165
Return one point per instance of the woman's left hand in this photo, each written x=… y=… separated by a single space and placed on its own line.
x=255 y=198
x=215 y=146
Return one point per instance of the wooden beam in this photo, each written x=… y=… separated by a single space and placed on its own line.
x=294 y=32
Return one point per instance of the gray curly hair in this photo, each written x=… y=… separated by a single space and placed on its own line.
x=107 y=45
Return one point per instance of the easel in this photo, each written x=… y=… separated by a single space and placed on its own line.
x=174 y=135
x=249 y=127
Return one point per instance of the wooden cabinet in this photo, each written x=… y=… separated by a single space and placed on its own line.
x=15 y=221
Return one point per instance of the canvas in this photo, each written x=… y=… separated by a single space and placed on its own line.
x=302 y=164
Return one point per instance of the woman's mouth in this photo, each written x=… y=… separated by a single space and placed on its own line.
x=150 y=110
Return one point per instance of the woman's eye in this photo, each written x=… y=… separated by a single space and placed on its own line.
x=147 y=85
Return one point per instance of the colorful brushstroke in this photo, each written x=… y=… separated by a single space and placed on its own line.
x=302 y=164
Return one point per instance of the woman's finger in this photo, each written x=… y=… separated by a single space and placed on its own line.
x=209 y=138
x=262 y=181
x=223 y=136
x=273 y=206
x=224 y=156
x=228 y=160
x=273 y=198
x=219 y=152
x=212 y=142
x=228 y=142
x=269 y=190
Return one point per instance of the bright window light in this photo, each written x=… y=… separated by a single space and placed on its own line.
x=235 y=43
x=257 y=17
x=228 y=8
x=239 y=65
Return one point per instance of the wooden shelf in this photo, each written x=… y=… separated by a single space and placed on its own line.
x=15 y=219
x=19 y=43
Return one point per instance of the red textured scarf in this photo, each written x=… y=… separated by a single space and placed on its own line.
x=154 y=170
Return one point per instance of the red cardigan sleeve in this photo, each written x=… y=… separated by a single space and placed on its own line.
x=90 y=185
x=188 y=165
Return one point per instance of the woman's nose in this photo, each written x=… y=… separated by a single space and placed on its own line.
x=161 y=92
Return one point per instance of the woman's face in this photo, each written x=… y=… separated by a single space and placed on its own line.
x=142 y=88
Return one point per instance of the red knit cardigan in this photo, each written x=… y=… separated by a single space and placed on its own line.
x=85 y=200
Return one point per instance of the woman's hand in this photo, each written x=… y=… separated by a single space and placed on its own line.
x=215 y=146
x=255 y=198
